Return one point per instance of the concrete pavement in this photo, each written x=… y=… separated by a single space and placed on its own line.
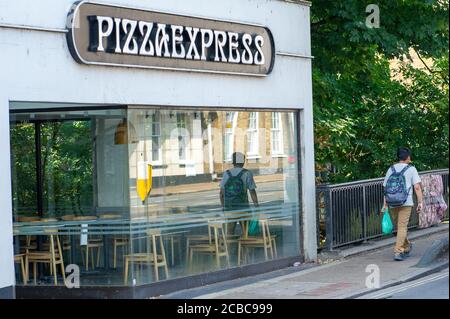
x=344 y=278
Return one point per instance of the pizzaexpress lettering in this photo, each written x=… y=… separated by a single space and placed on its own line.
x=113 y=35
x=143 y=38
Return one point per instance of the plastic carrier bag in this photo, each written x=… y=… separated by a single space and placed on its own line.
x=253 y=227
x=386 y=223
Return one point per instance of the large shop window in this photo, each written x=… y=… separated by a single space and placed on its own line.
x=133 y=196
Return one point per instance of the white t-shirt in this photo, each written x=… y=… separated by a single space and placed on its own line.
x=412 y=178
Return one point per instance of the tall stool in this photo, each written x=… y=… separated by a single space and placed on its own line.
x=152 y=258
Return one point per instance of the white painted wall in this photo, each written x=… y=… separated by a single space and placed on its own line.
x=7 y=277
x=37 y=66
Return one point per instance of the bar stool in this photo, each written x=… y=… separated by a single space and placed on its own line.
x=52 y=257
x=217 y=245
x=152 y=258
x=266 y=241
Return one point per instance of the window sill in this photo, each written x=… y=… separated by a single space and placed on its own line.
x=253 y=156
x=279 y=155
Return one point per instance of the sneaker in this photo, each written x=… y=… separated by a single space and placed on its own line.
x=408 y=253
x=399 y=257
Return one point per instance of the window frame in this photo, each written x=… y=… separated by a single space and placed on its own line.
x=159 y=162
x=279 y=130
x=255 y=134
x=183 y=132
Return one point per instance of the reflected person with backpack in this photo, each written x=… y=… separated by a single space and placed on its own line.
x=234 y=188
x=401 y=180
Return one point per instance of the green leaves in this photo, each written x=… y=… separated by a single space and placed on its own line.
x=363 y=108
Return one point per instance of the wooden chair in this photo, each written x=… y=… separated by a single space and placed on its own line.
x=151 y=258
x=207 y=239
x=20 y=259
x=27 y=242
x=267 y=241
x=117 y=243
x=52 y=257
x=197 y=239
x=174 y=239
x=93 y=244
x=216 y=246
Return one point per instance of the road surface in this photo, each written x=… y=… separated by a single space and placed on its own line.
x=434 y=286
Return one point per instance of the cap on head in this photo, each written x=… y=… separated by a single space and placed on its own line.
x=238 y=159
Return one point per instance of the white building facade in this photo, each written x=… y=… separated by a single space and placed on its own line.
x=111 y=160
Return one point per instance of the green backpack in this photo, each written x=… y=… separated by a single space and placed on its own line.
x=235 y=192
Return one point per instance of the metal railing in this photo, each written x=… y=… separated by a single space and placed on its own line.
x=348 y=213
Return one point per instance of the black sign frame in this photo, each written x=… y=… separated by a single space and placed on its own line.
x=82 y=33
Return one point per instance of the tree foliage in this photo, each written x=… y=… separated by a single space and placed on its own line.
x=364 y=108
x=67 y=167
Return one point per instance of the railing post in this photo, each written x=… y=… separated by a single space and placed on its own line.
x=328 y=219
x=364 y=214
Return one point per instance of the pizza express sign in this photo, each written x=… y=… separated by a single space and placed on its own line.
x=117 y=36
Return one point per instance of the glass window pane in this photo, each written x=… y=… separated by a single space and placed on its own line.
x=77 y=171
x=184 y=206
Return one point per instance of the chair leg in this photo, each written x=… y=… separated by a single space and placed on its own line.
x=22 y=267
x=34 y=273
x=87 y=257
x=61 y=259
x=82 y=255
x=187 y=250
x=216 y=242
x=53 y=262
x=125 y=275
x=155 y=258
x=27 y=268
x=172 y=260
x=225 y=244
x=191 y=257
x=98 y=255
x=92 y=258
x=115 y=255
x=239 y=253
x=163 y=253
x=274 y=244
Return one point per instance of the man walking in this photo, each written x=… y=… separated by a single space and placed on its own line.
x=400 y=180
x=234 y=188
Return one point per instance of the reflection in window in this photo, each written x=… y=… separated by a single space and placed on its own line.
x=229 y=136
x=87 y=175
x=182 y=136
x=252 y=134
x=156 y=139
x=276 y=135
